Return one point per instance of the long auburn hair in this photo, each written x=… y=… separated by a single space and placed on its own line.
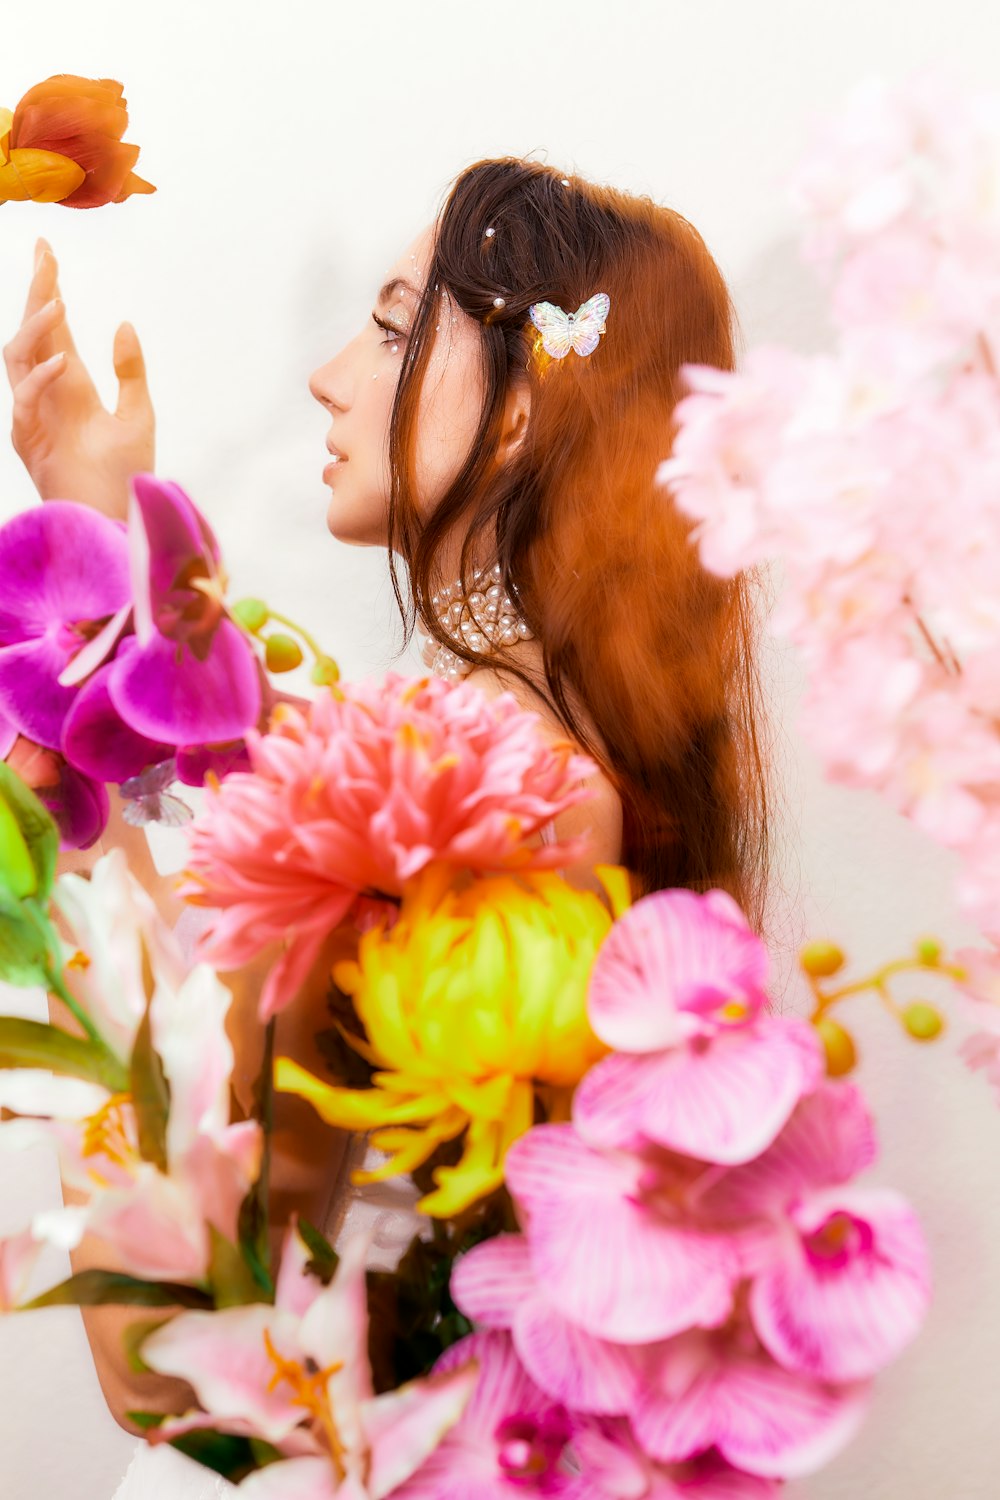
x=660 y=654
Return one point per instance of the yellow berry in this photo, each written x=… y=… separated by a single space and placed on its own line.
x=928 y=950
x=838 y=1044
x=325 y=672
x=821 y=958
x=252 y=614
x=922 y=1021
x=283 y=653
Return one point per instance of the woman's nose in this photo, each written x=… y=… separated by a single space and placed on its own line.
x=327 y=386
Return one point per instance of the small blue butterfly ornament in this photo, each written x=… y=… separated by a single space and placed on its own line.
x=563 y=331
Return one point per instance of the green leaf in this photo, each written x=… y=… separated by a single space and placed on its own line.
x=232 y=1457
x=233 y=1280
x=37 y=828
x=98 y=1288
x=324 y=1259
x=253 y=1219
x=150 y=1094
x=147 y=1420
x=17 y=871
x=27 y=942
x=35 y=1044
x=132 y=1341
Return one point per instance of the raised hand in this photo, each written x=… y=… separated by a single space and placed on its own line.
x=71 y=445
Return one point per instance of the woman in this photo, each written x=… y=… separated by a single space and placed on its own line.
x=458 y=443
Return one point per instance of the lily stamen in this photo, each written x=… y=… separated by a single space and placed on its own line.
x=311 y=1393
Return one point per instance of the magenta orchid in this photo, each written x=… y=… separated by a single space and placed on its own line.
x=700 y=1068
x=510 y=1442
x=617 y=1468
x=64 y=578
x=297 y=1374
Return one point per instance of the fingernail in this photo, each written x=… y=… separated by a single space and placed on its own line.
x=56 y=359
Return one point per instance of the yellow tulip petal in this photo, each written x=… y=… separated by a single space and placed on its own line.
x=6 y=120
x=479 y=1172
x=410 y=1148
x=41 y=176
x=354 y=1109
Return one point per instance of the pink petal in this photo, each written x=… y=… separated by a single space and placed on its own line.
x=403 y=1427
x=762 y=1418
x=845 y=1322
x=90 y=656
x=721 y=1099
x=490 y=1282
x=673 y=950
x=223 y=1356
x=620 y=1269
x=295 y=1479
x=163 y=691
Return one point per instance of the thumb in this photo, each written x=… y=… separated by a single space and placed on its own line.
x=130 y=367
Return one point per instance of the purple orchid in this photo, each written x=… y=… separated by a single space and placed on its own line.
x=699 y=1067
x=617 y=1469
x=64 y=586
x=193 y=678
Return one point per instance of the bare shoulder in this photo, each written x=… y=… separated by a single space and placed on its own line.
x=600 y=815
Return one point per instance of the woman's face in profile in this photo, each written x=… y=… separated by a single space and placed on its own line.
x=357 y=387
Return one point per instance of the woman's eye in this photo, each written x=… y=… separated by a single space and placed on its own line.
x=393 y=334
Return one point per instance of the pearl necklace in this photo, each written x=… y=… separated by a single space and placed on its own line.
x=485 y=621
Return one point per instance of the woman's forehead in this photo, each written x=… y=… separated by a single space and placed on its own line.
x=411 y=265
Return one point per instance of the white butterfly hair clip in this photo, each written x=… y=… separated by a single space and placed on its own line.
x=563 y=331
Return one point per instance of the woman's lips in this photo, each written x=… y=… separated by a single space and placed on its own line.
x=337 y=460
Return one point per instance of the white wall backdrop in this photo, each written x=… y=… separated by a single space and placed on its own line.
x=296 y=148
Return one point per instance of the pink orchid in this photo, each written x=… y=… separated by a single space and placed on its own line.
x=841 y=1285
x=354 y=796
x=495 y=1285
x=678 y=989
x=156 y=1214
x=297 y=1374
x=509 y=1444
x=615 y=1240
x=721 y=1390
x=616 y=1468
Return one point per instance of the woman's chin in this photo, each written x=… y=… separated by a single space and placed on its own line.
x=352 y=529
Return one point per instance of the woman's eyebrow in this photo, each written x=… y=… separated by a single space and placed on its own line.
x=397 y=281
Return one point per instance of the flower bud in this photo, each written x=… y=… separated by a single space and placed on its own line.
x=283 y=653
x=838 y=1044
x=252 y=614
x=325 y=671
x=922 y=1021
x=821 y=958
x=928 y=950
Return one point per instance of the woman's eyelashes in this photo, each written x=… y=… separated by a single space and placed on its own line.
x=394 y=334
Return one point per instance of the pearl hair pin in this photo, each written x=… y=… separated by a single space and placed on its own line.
x=486 y=621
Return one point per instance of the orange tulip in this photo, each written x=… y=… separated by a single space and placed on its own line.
x=63 y=144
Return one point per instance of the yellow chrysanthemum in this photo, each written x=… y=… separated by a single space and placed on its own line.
x=473 y=1002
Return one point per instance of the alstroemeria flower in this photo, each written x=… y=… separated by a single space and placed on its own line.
x=18 y=1256
x=699 y=1068
x=720 y=1389
x=63 y=144
x=156 y=1214
x=616 y=1241
x=509 y=1443
x=472 y=1002
x=193 y=677
x=64 y=580
x=356 y=795
x=297 y=1374
x=841 y=1283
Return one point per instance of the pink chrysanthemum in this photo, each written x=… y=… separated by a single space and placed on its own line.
x=352 y=797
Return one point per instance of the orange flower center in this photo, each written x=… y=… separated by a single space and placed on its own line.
x=309 y=1384
x=105 y=1133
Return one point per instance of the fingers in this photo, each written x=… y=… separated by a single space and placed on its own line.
x=130 y=367
x=31 y=341
x=28 y=394
x=44 y=287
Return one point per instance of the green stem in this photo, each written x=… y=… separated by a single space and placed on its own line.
x=55 y=984
x=310 y=640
